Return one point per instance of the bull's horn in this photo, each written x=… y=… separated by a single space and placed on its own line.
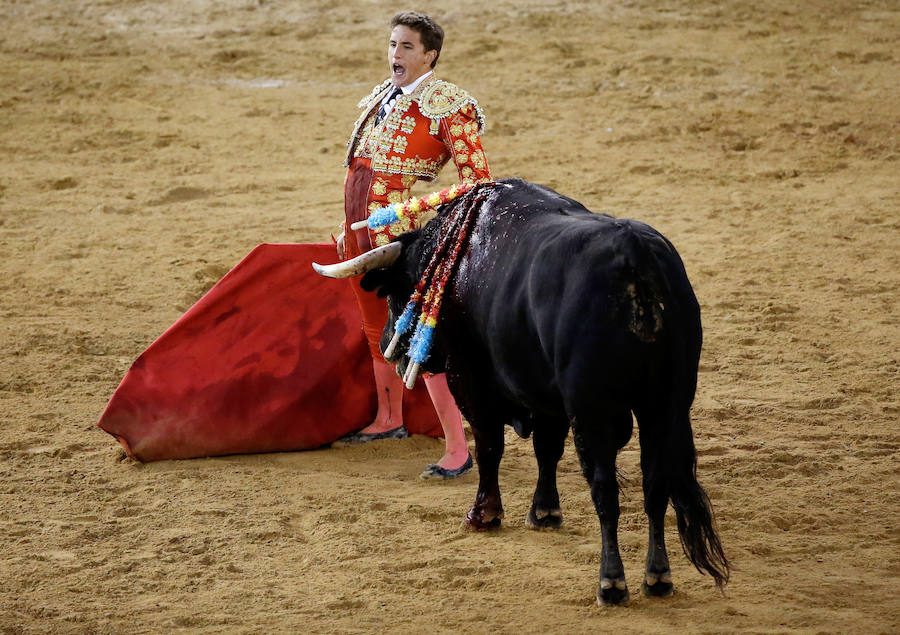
x=383 y=256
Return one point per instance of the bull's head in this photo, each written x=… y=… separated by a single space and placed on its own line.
x=392 y=271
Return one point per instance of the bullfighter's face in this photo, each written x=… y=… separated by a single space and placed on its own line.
x=407 y=58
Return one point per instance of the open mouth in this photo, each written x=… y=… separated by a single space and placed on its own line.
x=397 y=69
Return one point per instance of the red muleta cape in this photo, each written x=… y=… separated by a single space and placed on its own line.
x=272 y=358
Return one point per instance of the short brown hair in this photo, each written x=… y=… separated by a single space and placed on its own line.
x=431 y=34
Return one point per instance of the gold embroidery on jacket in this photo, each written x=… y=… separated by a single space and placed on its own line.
x=366 y=101
x=400 y=143
x=386 y=144
x=408 y=124
x=441 y=99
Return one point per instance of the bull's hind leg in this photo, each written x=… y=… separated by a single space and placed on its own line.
x=658 y=576
x=549 y=439
x=597 y=443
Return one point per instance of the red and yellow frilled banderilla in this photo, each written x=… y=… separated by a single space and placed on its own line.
x=429 y=291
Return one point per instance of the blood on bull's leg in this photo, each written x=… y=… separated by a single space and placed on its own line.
x=487 y=510
x=549 y=439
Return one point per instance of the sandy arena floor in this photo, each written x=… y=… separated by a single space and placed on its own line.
x=148 y=146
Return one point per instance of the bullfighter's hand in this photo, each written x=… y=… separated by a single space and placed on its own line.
x=339 y=243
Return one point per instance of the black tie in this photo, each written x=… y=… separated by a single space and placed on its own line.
x=382 y=111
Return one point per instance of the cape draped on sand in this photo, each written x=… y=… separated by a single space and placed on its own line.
x=272 y=358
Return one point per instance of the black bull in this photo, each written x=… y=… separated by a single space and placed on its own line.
x=558 y=318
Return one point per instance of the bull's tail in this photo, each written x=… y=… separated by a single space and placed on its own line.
x=666 y=316
x=693 y=511
x=696 y=523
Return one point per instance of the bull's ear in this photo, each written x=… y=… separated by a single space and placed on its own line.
x=375 y=281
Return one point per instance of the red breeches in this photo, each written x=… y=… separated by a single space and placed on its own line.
x=356 y=198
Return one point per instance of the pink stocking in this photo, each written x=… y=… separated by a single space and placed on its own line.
x=389 y=386
x=456 y=447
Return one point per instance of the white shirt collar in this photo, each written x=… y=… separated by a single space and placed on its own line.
x=387 y=105
x=409 y=88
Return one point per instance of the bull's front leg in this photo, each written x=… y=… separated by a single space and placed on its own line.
x=487 y=510
x=549 y=439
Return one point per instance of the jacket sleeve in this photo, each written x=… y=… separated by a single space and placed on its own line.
x=460 y=133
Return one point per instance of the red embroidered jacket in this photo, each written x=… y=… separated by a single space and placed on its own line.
x=425 y=129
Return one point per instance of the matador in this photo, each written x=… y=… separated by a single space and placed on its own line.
x=410 y=126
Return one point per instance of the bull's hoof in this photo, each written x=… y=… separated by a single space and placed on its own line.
x=612 y=592
x=480 y=526
x=543 y=518
x=658 y=585
x=479 y=520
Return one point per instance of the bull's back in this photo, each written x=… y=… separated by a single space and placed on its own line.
x=548 y=255
x=566 y=295
x=631 y=320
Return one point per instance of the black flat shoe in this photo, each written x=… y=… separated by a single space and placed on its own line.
x=358 y=438
x=435 y=471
